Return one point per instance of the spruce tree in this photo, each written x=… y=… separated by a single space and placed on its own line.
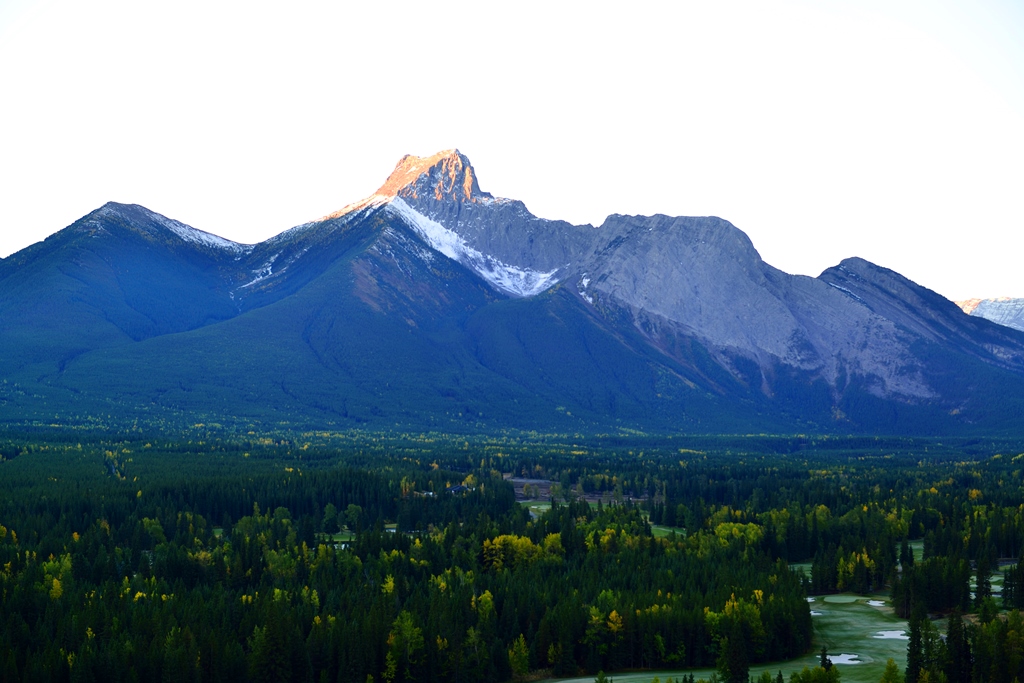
x=915 y=652
x=958 y=650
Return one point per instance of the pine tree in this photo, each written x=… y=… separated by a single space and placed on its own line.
x=906 y=555
x=181 y=657
x=958 y=650
x=915 y=653
x=892 y=673
x=984 y=579
x=733 y=657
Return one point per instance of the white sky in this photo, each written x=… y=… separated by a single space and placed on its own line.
x=888 y=129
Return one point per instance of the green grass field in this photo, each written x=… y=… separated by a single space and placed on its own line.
x=537 y=507
x=805 y=566
x=917 y=547
x=866 y=627
x=659 y=531
x=868 y=634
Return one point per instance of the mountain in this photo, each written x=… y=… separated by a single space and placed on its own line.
x=1003 y=310
x=432 y=304
x=119 y=275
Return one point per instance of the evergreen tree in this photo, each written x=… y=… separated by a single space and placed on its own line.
x=906 y=555
x=269 y=657
x=181 y=657
x=958 y=650
x=915 y=648
x=733 y=657
x=892 y=673
x=983 y=580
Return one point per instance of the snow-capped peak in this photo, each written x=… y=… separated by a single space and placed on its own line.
x=446 y=177
x=185 y=232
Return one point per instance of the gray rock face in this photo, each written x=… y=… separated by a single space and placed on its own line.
x=702 y=278
x=704 y=275
x=1003 y=310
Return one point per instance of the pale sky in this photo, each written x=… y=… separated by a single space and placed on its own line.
x=891 y=130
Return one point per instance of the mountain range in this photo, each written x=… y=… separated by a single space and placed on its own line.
x=1004 y=310
x=433 y=305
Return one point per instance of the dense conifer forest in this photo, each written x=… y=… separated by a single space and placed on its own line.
x=341 y=557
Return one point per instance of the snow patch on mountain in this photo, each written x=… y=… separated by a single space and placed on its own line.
x=263 y=273
x=151 y=222
x=844 y=290
x=195 y=236
x=519 y=282
x=583 y=284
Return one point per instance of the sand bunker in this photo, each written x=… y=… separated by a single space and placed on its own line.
x=844 y=659
x=815 y=613
x=811 y=599
x=892 y=635
x=876 y=603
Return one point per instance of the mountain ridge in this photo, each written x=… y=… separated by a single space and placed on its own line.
x=432 y=303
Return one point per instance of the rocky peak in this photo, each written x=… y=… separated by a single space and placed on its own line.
x=445 y=175
x=968 y=305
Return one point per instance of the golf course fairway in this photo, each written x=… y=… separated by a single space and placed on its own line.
x=860 y=637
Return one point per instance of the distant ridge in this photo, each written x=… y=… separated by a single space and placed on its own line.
x=1004 y=310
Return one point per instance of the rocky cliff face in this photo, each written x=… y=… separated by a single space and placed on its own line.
x=1003 y=310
